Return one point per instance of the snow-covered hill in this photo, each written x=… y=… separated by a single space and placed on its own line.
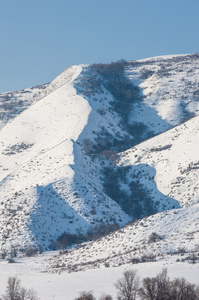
x=59 y=169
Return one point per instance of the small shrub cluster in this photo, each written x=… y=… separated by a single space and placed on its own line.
x=17 y=148
x=31 y=251
x=89 y=296
x=154 y=237
x=16 y=250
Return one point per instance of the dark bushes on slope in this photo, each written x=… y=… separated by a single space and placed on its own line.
x=136 y=203
x=66 y=239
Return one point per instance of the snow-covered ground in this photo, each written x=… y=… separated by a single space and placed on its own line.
x=68 y=285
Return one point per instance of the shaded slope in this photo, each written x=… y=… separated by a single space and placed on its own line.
x=154 y=238
x=174 y=156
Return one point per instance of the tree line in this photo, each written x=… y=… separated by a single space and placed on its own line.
x=160 y=287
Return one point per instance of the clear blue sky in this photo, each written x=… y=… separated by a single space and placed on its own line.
x=40 y=38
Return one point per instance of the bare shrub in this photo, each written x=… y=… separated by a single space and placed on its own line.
x=31 y=251
x=40 y=249
x=128 y=285
x=11 y=260
x=154 y=237
x=3 y=254
x=193 y=258
x=13 y=251
x=106 y=297
x=88 y=146
x=101 y=111
x=32 y=295
x=86 y=296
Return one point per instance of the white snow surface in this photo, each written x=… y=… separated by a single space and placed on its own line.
x=101 y=281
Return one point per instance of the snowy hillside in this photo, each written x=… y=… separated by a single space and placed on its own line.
x=173 y=159
x=151 y=239
x=59 y=170
x=170 y=87
x=41 y=195
x=168 y=165
x=13 y=103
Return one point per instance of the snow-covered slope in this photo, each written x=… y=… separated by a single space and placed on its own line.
x=174 y=158
x=13 y=103
x=58 y=157
x=170 y=87
x=157 y=237
x=166 y=164
x=41 y=195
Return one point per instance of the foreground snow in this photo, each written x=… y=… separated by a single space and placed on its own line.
x=68 y=285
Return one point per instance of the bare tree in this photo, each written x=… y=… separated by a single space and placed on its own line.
x=183 y=290
x=156 y=288
x=162 y=288
x=32 y=295
x=13 y=289
x=128 y=286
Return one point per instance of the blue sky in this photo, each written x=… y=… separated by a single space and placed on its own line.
x=40 y=38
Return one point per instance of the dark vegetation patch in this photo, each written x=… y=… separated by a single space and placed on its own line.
x=66 y=240
x=17 y=148
x=161 y=148
x=111 y=77
x=135 y=201
x=99 y=78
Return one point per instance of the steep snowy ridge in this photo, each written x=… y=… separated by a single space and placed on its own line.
x=32 y=161
x=39 y=188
